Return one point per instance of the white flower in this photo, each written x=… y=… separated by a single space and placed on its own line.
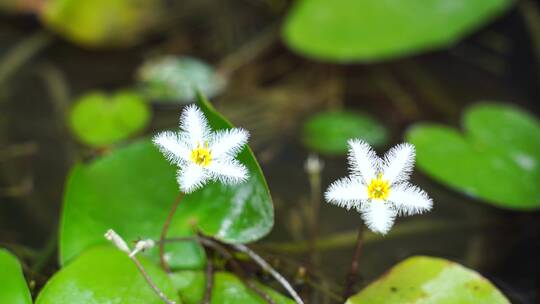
x=378 y=188
x=203 y=155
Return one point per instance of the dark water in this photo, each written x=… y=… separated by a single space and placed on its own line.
x=271 y=96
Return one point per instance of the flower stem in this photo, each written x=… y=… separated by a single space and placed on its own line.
x=150 y=282
x=209 y=273
x=315 y=187
x=164 y=231
x=353 y=271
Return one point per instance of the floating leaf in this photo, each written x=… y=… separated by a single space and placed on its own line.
x=105 y=275
x=370 y=30
x=99 y=120
x=132 y=189
x=423 y=280
x=98 y=23
x=497 y=159
x=328 y=132
x=13 y=288
x=227 y=288
x=177 y=79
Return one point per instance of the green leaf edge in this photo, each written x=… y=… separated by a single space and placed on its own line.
x=329 y=57
x=26 y=297
x=381 y=279
x=206 y=106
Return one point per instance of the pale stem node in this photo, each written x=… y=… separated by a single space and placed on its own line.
x=142 y=245
x=313 y=164
x=117 y=240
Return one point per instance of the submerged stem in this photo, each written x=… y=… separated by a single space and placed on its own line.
x=253 y=255
x=353 y=271
x=22 y=53
x=223 y=251
x=267 y=267
x=314 y=167
x=209 y=273
x=164 y=231
x=348 y=238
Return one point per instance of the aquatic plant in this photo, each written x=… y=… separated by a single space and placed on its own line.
x=379 y=188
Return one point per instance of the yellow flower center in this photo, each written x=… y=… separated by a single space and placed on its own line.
x=378 y=188
x=201 y=155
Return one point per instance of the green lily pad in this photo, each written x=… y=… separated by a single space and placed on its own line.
x=105 y=275
x=178 y=78
x=13 y=288
x=425 y=280
x=132 y=189
x=101 y=23
x=371 y=30
x=496 y=159
x=100 y=120
x=328 y=132
x=227 y=288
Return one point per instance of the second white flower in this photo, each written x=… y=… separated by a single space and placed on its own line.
x=379 y=188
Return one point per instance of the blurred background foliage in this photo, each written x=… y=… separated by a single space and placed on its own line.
x=371 y=30
x=82 y=81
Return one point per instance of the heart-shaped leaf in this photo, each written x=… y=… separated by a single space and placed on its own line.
x=227 y=288
x=497 y=159
x=423 y=280
x=13 y=288
x=98 y=23
x=177 y=79
x=99 y=120
x=132 y=189
x=105 y=275
x=370 y=30
x=328 y=132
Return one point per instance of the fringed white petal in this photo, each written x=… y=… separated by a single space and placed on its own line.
x=228 y=142
x=408 y=199
x=346 y=192
x=228 y=171
x=195 y=126
x=191 y=177
x=174 y=149
x=378 y=215
x=398 y=163
x=363 y=160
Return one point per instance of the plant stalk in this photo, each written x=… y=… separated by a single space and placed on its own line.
x=209 y=273
x=353 y=271
x=150 y=282
x=164 y=231
x=223 y=251
x=267 y=267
